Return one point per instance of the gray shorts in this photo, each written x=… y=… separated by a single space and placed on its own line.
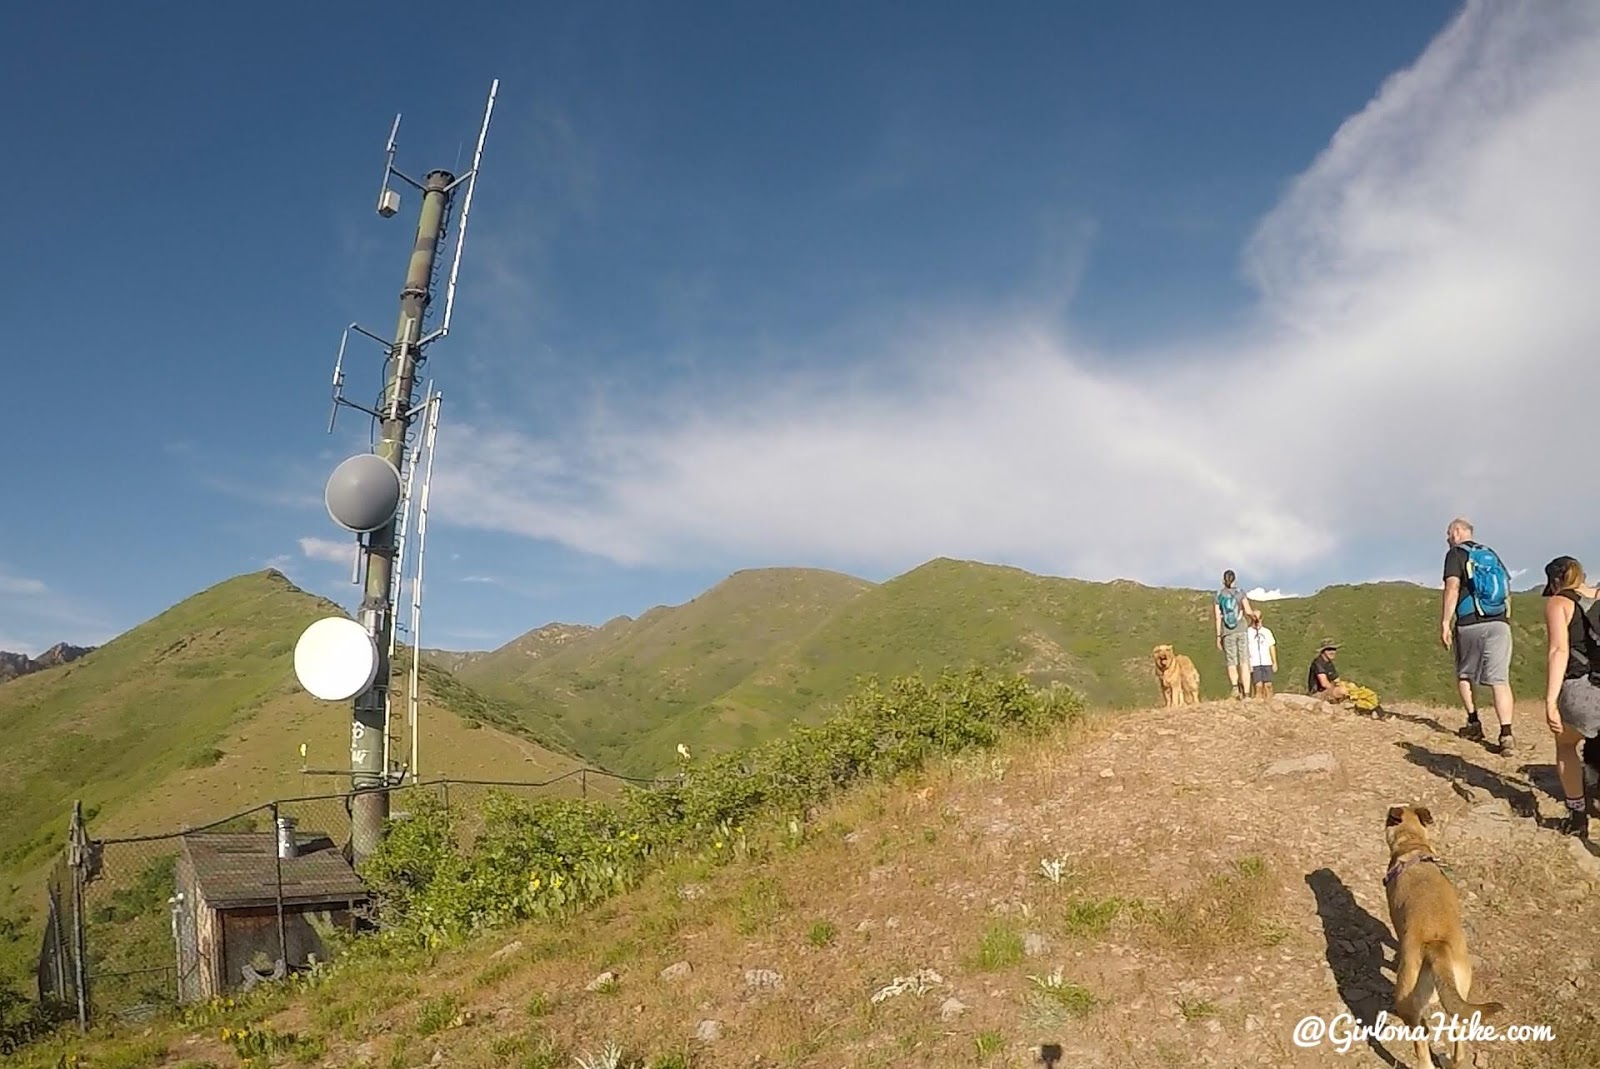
x=1236 y=648
x=1261 y=673
x=1578 y=702
x=1483 y=652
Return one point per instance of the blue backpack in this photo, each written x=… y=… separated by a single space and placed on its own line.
x=1488 y=585
x=1228 y=602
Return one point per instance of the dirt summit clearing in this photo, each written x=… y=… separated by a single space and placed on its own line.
x=1161 y=888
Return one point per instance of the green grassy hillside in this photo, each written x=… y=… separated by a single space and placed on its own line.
x=951 y=876
x=196 y=714
x=1097 y=637
x=743 y=661
x=603 y=691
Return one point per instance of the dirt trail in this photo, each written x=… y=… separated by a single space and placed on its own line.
x=1219 y=878
x=1177 y=795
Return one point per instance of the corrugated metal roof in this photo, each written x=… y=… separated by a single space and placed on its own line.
x=240 y=868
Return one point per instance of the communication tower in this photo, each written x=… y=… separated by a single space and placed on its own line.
x=374 y=496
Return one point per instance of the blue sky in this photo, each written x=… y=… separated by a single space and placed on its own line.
x=850 y=286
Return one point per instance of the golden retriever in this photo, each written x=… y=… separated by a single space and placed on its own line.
x=1180 y=680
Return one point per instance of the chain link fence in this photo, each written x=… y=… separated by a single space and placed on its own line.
x=59 y=973
x=138 y=924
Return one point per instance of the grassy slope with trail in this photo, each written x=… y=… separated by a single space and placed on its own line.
x=738 y=666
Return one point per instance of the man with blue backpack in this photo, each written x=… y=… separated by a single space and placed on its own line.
x=1476 y=620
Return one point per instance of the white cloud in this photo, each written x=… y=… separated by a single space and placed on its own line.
x=325 y=549
x=21 y=586
x=1262 y=594
x=38 y=616
x=256 y=493
x=1424 y=330
x=469 y=635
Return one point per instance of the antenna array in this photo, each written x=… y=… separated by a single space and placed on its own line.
x=375 y=497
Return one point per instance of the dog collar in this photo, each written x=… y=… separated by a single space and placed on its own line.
x=1400 y=866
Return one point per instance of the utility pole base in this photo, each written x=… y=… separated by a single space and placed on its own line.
x=369 y=811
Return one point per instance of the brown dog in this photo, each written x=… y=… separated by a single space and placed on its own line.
x=1180 y=682
x=1426 y=915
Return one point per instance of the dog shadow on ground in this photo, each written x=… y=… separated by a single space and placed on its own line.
x=1356 y=953
x=1451 y=766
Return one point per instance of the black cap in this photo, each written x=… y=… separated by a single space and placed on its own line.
x=1554 y=571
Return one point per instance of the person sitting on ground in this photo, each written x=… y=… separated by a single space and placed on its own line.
x=1322 y=681
x=1572 y=680
x=1263 y=657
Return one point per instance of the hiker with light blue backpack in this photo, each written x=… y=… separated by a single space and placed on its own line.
x=1475 y=619
x=1231 y=612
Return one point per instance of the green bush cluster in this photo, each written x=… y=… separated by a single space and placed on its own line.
x=22 y=1020
x=548 y=857
x=528 y=859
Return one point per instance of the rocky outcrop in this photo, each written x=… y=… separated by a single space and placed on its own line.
x=13 y=665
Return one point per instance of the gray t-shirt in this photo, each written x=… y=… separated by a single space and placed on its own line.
x=1239 y=623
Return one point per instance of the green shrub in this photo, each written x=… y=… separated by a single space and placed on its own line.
x=22 y=1020
x=1001 y=947
x=204 y=757
x=530 y=859
x=144 y=896
x=548 y=857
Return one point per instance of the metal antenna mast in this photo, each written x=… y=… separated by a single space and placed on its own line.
x=370 y=494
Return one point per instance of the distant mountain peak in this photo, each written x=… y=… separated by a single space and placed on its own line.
x=544 y=640
x=13 y=665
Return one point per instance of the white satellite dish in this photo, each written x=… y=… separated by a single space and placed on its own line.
x=335 y=659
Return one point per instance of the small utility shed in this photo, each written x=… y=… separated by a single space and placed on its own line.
x=225 y=914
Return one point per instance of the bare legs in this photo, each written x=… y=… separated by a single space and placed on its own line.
x=1502 y=702
x=1569 y=763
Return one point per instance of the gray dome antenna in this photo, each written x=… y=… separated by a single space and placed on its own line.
x=363 y=493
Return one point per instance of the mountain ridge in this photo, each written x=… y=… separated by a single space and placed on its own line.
x=626 y=694
x=15 y=665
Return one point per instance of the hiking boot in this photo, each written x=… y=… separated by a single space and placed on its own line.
x=1575 y=823
x=1472 y=730
x=1508 y=745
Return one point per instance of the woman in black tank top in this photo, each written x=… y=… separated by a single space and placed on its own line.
x=1572 y=679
